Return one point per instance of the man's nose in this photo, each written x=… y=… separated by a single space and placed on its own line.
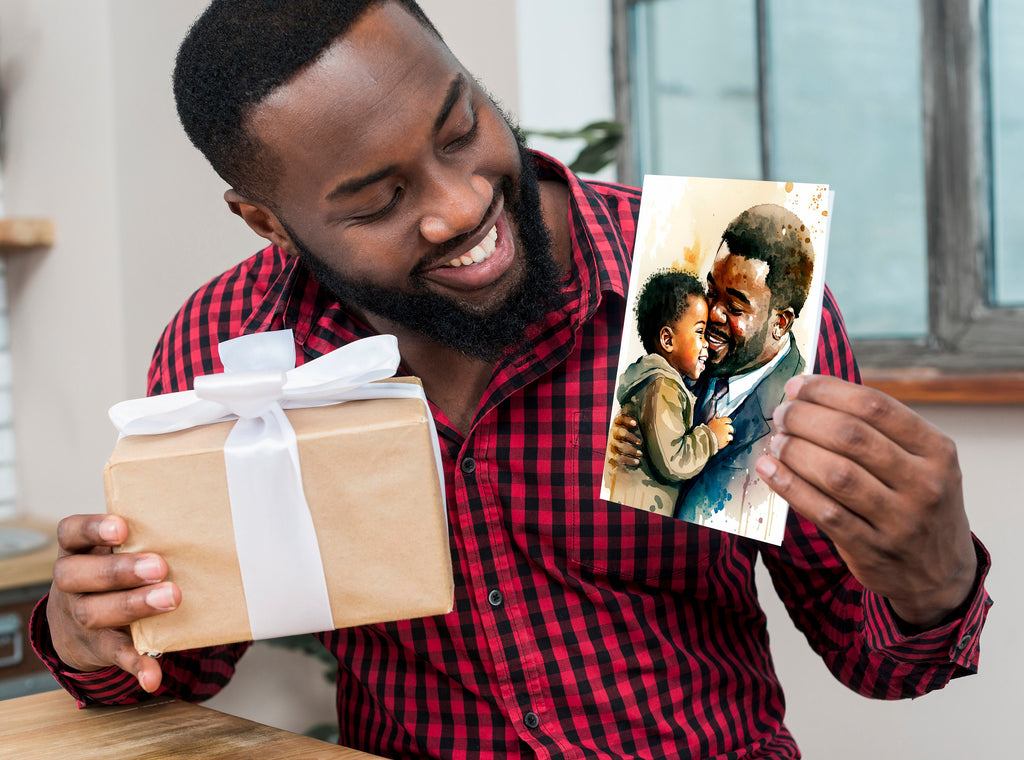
x=456 y=204
x=717 y=312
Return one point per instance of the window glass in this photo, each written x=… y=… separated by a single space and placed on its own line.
x=844 y=108
x=845 y=98
x=1006 y=30
x=695 y=85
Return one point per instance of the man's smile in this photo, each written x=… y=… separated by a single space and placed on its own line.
x=717 y=341
x=479 y=252
x=479 y=264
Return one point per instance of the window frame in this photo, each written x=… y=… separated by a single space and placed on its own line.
x=974 y=351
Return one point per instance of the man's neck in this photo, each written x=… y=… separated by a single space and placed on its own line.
x=454 y=382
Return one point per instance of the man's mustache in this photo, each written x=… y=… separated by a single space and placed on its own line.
x=720 y=335
x=445 y=250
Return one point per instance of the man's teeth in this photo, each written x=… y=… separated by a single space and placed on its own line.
x=480 y=252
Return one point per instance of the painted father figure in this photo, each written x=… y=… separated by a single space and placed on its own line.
x=758 y=284
x=394 y=198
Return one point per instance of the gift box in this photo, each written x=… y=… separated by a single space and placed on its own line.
x=342 y=522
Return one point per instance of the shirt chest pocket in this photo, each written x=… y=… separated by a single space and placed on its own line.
x=607 y=540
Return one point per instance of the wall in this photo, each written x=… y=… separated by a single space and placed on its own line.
x=975 y=716
x=91 y=140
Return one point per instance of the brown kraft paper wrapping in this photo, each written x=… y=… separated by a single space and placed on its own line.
x=371 y=481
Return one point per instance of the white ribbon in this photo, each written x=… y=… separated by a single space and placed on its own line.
x=282 y=571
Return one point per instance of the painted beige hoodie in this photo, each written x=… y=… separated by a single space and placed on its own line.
x=674 y=449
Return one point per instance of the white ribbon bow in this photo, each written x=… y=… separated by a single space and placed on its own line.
x=282 y=571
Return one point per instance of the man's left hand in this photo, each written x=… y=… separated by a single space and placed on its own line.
x=884 y=485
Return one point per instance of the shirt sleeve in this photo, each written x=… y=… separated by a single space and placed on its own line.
x=193 y=675
x=677 y=450
x=855 y=630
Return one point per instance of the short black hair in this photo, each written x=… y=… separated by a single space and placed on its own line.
x=238 y=52
x=777 y=236
x=663 y=301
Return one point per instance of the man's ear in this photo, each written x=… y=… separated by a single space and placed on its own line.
x=783 y=323
x=261 y=220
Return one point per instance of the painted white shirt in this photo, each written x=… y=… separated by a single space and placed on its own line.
x=741 y=386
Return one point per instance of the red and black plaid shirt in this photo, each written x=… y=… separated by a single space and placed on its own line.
x=581 y=628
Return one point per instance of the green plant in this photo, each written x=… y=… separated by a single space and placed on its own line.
x=601 y=138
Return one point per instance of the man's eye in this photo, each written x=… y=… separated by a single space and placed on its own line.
x=375 y=215
x=465 y=139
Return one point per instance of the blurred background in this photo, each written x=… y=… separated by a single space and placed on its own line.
x=910 y=111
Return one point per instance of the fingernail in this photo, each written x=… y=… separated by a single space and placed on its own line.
x=775 y=445
x=149 y=569
x=108 y=530
x=160 y=598
x=766 y=468
x=794 y=384
x=143 y=682
x=779 y=415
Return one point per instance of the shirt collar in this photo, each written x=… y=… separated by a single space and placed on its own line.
x=600 y=254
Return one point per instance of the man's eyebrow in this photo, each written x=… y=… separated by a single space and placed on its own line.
x=738 y=294
x=352 y=186
x=454 y=93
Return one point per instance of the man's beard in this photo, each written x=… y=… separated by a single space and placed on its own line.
x=442 y=319
x=739 y=356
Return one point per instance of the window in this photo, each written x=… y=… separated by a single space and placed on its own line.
x=910 y=111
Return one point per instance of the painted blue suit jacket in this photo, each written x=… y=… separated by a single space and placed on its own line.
x=724 y=492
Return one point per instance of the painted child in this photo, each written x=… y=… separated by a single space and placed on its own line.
x=671 y=314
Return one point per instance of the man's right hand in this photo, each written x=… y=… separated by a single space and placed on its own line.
x=626 y=443
x=96 y=594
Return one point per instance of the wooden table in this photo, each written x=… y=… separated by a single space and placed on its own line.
x=49 y=726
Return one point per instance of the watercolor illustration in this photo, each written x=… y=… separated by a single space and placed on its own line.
x=723 y=308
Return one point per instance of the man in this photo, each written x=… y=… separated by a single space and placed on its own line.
x=757 y=287
x=396 y=200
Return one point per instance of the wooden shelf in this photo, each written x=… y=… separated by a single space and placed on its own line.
x=23 y=232
x=933 y=386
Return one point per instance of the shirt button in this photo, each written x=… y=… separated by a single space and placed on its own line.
x=495 y=598
x=530 y=720
x=963 y=643
x=468 y=465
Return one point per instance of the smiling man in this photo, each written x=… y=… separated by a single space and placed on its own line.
x=757 y=287
x=395 y=198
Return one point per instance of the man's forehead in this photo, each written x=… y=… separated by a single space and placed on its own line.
x=384 y=39
x=384 y=69
x=726 y=261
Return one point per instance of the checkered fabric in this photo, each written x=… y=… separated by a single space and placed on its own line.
x=581 y=628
